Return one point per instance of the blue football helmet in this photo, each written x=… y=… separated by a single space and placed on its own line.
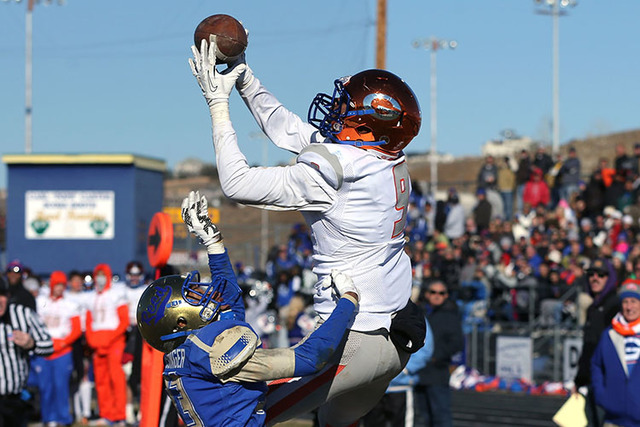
x=172 y=307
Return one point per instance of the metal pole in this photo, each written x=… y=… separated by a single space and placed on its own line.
x=264 y=230
x=434 y=121
x=556 y=77
x=28 y=77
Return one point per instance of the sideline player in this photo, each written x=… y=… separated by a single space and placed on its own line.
x=214 y=367
x=352 y=185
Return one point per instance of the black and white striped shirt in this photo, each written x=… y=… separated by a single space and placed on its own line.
x=14 y=360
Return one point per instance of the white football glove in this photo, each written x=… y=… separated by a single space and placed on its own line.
x=246 y=77
x=340 y=282
x=216 y=85
x=196 y=217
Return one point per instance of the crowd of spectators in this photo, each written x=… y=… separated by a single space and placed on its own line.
x=517 y=253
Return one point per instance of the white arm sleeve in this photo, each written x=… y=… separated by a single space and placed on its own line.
x=298 y=187
x=283 y=127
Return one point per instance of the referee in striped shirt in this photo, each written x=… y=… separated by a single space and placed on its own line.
x=21 y=332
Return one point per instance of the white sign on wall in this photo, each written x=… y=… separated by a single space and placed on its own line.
x=69 y=215
x=514 y=357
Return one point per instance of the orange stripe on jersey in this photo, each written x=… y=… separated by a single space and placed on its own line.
x=299 y=394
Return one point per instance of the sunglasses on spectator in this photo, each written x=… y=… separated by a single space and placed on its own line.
x=599 y=273
x=443 y=293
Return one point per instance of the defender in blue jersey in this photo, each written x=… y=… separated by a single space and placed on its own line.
x=215 y=369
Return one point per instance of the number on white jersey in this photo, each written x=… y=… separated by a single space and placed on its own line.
x=401 y=181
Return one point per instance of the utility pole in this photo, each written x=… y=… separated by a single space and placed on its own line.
x=28 y=73
x=554 y=8
x=28 y=79
x=381 y=36
x=433 y=45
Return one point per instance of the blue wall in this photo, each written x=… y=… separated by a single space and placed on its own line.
x=138 y=195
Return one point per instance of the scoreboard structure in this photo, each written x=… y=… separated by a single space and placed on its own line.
x=73 y=211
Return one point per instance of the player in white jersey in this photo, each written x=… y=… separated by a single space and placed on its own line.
x=62 y=318
x=82 y=385
x=351 y=183
x=107 y=323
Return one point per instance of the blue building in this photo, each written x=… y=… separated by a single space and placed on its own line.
x=73 y=211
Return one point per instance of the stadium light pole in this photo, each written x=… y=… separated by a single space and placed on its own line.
x=433 y=45
x=555 y=8
x=28 y=73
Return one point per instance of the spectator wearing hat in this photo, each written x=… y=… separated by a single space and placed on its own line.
x=19 y=294
x=602 y=283
x=62 y=318
x=21 y=332
x=615 y=371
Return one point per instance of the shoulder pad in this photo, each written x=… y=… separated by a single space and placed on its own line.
x=325 y=162
x=232 y=347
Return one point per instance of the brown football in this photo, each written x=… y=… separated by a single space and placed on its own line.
x=231 y=37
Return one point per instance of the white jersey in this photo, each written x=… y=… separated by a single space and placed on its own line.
x=83 y=301
x=104 y=308
x=57 y=315
x=133 y=296
x=353 y=200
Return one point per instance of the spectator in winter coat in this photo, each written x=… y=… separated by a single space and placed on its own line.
x=569 y=175
x=536 y=192
x=522 y=176
x=488 y=174
x=454 y=224
x=433 y=396
x=602 y=288
x=506 y=185
x=615 y=372
x=482 y=211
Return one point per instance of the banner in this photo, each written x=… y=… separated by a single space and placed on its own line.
x=514 y=357
x=69 y=215
x=570 y=354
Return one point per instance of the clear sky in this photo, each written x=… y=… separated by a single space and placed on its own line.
x=112 y=76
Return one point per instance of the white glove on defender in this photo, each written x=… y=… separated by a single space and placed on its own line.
x=196 y=217
x=340 y=282
x=216 y=86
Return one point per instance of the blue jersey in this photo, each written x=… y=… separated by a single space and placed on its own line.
x=199 y=395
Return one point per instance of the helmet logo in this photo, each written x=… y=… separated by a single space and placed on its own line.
x=384 y=106
x=157 y=303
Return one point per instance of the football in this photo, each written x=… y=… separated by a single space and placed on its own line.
x=231 y=36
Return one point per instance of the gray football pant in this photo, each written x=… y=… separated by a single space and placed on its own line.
x=346 y=389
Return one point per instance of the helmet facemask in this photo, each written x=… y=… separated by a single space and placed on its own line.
x=173 y=307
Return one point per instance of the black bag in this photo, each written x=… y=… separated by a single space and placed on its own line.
x=408 y=328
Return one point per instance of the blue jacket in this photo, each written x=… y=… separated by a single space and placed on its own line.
x=614 y=390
